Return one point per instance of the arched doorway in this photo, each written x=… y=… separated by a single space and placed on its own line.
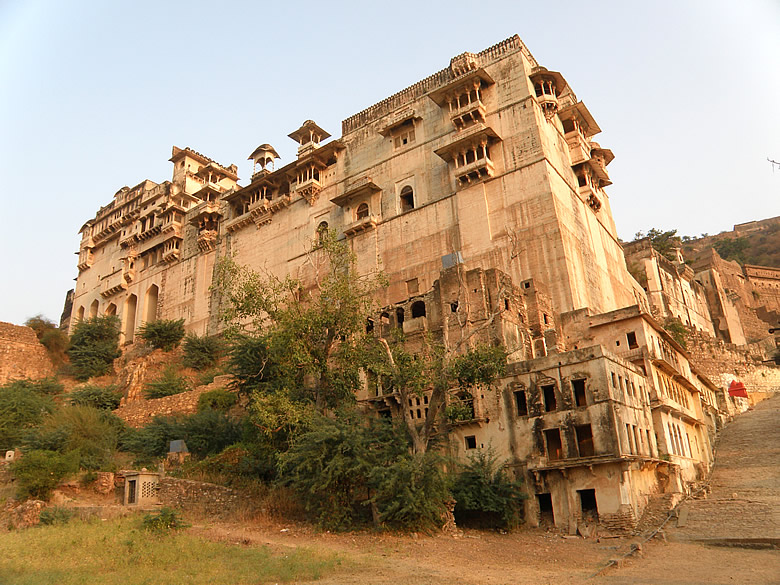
x=128 y=325
x=93 y=309
x=150 y=303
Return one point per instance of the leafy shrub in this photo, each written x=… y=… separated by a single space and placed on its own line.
x=39 y=472
x=101 y=397
x=55 y=516
x=55 y=340
x=164 y=520
x=411 y=492
x=164 y=334
x=94 y=346
x=241 y=461
x=168 y=384
x=459 y=411
x=342 y=468
x=20 y=410
x=201 y=352
x=44 y=387
x=205 y=433
x=677 y=330
x=216 y=400
x=483 y=490
x=91 y=434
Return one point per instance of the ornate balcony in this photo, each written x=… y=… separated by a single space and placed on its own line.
x=475 y=171
x=309 y=189
x=112 y=284
x=207 y=240
x=361 y=225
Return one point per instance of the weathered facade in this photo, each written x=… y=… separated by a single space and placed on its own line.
x=479 y=192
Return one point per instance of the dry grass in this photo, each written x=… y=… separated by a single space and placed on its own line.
x=120 y=552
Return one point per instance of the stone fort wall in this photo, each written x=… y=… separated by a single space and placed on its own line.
x=21 y=354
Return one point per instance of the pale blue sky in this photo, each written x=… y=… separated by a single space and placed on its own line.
x=94 y=94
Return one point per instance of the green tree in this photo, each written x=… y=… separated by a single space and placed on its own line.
x=303 y=342
x=51 y=337
x=733 y=248
x=664 y=242
x=94 y=346
x=39 y=472
x=164 y=334
x=20 y=410
x=201 y=353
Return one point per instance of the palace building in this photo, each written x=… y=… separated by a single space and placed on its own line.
x=480 y=193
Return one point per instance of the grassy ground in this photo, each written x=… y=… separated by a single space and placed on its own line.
x=121 y=552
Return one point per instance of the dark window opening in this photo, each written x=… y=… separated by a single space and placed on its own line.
x=418 y=309
x=521 y=403
x=454 y=307
x=399 y=316
x=544 y=315
x=362 y=211
x=425 y=399
x=584 y=440
x=471 y=442
x=131 y=491
x=506 y=304
x=419 y=413
x=631 y=338
x=590 y=510
x=552 y=438
x=407 y=199
x=385 y=413
x=550 y=403
x=369 y=325
x=578 y=386
x=546 y=516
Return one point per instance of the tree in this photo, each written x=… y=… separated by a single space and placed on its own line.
x=299 y=341
x=164 y=334
x=733 y=248
x=52 y=338
x=664 y=242
x=94 y=346
x=20 y=409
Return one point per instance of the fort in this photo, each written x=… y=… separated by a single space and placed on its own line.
x=481 y=194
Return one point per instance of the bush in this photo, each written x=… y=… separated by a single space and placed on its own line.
x=164 y=334
x=344 y=468
x=94 y=346
x=201 y=353
x=92 y=434
x=216 y=400
x=44 y=387
x=20 y=410
x=165 y=520
x=52 y=338
x=241 y=461
x=39 y=472
x=483 y=490
x=100 y=397
x=205 y=433
x=168 y=384
x=55 y=516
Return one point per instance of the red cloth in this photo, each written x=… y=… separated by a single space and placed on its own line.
x=737 y=389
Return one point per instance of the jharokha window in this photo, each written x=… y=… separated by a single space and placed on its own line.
x=362 y=211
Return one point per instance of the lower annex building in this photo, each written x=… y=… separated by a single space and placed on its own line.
x=480 y=193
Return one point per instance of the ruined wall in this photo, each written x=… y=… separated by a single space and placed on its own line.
x=21 y=355
x=724 y=362
x=139 y=412
x=212 y=499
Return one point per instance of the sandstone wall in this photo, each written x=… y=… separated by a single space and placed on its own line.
x=140 y=412
x=212 y=499
x=724 y=362
x=21 y=355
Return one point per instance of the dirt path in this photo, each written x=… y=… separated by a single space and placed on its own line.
x=743 y=503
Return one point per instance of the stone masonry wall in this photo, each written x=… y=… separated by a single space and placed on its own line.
x=724 y=362
x=21 y=355
x=212 y=499
x=140 y=412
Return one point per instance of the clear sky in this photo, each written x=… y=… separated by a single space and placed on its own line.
x=93 y=95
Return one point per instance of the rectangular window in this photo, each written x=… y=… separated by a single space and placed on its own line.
x=521 y=403
x=550 y=403
x=552 y=438
x=584 y=440
x=631 y=338
x=578 y=387
x=471 y=442
x=630 y=437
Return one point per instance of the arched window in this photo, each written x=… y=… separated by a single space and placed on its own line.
x=399 y=317
x=129 y=318
x=151 y=303
x=418 y=309
x=322 y=230
x=362 y=211
x=93 y=309
x=110 y=309
x=407 y=199
x=80 y=314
